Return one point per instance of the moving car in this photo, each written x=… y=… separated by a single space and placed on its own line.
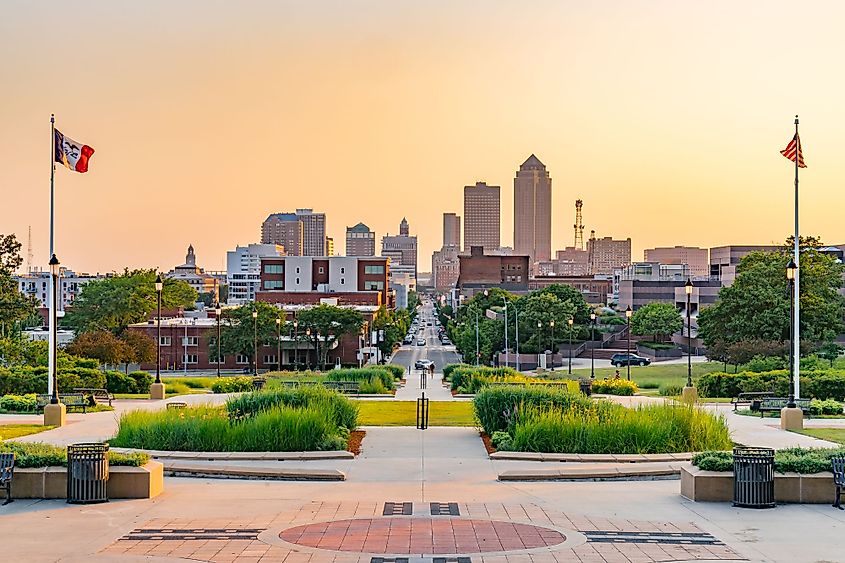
x=421 y=342
x=422 y=364
x=408 y=339
x=619 y=360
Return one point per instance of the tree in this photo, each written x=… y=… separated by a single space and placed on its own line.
x=139 y=348
x=238 y=330
x=327 y=325
x=756 y=306
x=395 y=325
x=830 y=350
x=101 y=345
x=14 y=306
x=567 y=293
x=537 y=311
x=413 y=301
x=659 y=319
x=114 y=303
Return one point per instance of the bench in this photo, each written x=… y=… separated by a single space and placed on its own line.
x=7 y=469
x=837 y=466
x=775 y=404
x=97 y=394
x=750 y=397
x=177 y=405
x=258 y=383
x=67 y=399
x=346 y=387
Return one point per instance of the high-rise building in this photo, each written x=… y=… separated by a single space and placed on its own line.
x=285 y=229
x=302 y=233
x=329 y=246
x=482 y=219
x=451 y=230
x=402 y=251
x=313 y=232
x=360 y=241
x=445 y=268
x=243 y=270
x=532 y=210
x=695 y=258
x=606 y=254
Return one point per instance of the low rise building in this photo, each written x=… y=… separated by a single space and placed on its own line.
x=243 y=270
x=595 y=289
x=195 y=276
x=694 y=257
x=37 y=284
x=725 y=259
x=479 y=271
x=642 y=283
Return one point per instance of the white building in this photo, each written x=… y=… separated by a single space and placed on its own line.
x=402 y=283
x=243 y=270
x=37 y=284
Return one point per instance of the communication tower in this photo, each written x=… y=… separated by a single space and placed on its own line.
x=579 y=225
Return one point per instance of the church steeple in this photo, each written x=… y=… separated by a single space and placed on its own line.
x=190 y=258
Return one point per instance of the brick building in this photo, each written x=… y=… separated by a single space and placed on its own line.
x=480 y=271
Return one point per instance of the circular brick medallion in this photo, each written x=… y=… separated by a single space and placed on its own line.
x=422 y=536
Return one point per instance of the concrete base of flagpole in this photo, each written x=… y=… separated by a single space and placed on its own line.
x=689 y=395
x=791 y=418
x=157 y=391
x=54 y=414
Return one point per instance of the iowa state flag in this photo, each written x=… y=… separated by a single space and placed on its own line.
x=70 y=153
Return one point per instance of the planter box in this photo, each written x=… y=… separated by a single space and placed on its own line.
x=717 y=486
x=124 y=482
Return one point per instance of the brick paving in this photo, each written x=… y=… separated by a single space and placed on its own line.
x=350 y=532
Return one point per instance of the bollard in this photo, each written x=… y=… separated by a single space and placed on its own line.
x=422 y=413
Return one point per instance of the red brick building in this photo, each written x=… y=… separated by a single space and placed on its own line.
x=480 y=271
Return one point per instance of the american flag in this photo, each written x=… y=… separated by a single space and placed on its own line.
x=793 y=151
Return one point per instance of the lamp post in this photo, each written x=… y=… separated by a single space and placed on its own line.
x=54 y=413
x=157 y=388
x=477 y=349
x=628 y=314
x=217 y=311
x=592 y=345
x=570 y=321
x=254 y=340
x=791 y=417
x=552 y=331
x=279 y=343
x=296 y=341
x=540 y=350
x=689 y=393
x=307 y=339
x=516 y=323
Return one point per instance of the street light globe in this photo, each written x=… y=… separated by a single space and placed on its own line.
x=295 y=324
x=592 y=316
x=628 y=312
x=552 y=323
x=307 y=332
x=571 y=321
x=159 y=284
x=539 y=324
x=791 y=268
x=54 y=265
x=486 y=293
x=688 y=287
x=254 y=314
x=278 y=321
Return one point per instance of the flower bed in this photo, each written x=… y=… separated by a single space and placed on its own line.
x=471 y=379
x=615 y=387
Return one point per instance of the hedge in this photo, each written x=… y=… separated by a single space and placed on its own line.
x=24 y=380
x=790 y=460
x=232 y=385
x=136 y=382
x=819 y=384
x=18 y=403
x=38 y=454
x=614 y=387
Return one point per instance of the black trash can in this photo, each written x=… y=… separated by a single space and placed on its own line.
x=87 y=473
x=586 y=386
x=754 y=477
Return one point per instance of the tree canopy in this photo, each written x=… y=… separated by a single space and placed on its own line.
x=114 y=303
x=14 y=305
x=238 y=330
x=327 y=325
x=659 y=319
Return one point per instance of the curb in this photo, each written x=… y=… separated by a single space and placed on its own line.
x=177 y=469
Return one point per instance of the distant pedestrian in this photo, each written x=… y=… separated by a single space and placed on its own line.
x=617 y=375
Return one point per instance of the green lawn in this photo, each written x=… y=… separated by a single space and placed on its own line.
x=655 y=374
x=404 y=413
x=829 y=434
x=16 y=430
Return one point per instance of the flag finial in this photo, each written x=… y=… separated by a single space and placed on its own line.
x=796 y=119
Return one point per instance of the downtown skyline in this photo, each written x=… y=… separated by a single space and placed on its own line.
x=201 y=130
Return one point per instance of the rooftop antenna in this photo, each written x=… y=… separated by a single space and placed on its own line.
x=579 y=225
x=29 y=250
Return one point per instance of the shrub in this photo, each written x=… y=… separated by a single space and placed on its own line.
x=45 y=455
x=495 y=407
x=397 y=371
x=502 y=441
x=448 y=369
x=461 y=376
x=22 y=380
x=790 y=460
x=828 y=406
x=232 y=385
x=18 y=403
x=765 y=363
x=670 y=390
x=367 y=374
x=177 y=387
x=141 y=381
x=820 y=384
x=134 y=383
x=614 y=387
x=343 y=411
x=826 y=386
x=649 y=384
x=605 y=427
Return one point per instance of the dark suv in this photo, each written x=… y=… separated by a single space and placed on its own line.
x=619 y=360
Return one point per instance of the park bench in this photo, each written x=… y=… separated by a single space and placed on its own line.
x=7 y=469
x=750 y=397
x=775 y=404
x=290 y=384
x=96 y=394
x=177 y=405
x=346 y=387
x=67 y=399
x=837 y=465
x=258 y=383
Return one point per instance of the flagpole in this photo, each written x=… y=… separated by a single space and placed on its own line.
x=52 y=321
x=796 y=342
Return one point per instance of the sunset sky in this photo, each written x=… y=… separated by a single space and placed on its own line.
x=665 y=117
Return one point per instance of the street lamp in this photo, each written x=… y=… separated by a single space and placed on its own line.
x=307 y=339
x=540 y=341
x=592 y=345
x=254 y=341
x=791 y=270
x=54 y=274
x=628 y=314
x=477 y=349
x=217 y=311
x=570 y=321
x=296 y=340
x=279 y=343
x=159 y=287
x=688 y=290
x=552 y=330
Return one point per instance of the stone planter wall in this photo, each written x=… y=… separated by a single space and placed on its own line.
x=717 y=486
x=652 y=353
x=124 y=482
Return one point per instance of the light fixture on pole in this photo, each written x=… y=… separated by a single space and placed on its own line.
x=553 y=347
x=592 y=345
x=792 y=417
x=307 y=339
x=296 y=343
x=628 y=314
x=254 y=340
x=570 y=321
x=477 y=349
x=157 y=388
x=689 y=394
x=54 y=413
x=217 y=311
x=279 y=343
x=540 y=350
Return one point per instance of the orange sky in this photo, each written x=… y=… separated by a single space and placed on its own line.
x=666 y=118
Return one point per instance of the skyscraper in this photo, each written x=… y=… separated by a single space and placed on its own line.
x=360 y=241
x=451 y=230
x=482 y=207
x=313 y=232
x=284 y=229
x=532 y=210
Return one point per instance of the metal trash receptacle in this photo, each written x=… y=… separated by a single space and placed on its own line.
x=586 y=386
x=754 y=477
x=87 y=473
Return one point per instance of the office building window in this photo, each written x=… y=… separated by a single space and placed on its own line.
x=343 y=270
x=373 y=285
x=241 y=359
x=321 y=270
x=269 y=359
x=373 y=269
x=190 y=341
x=165 y=341
x=274 y=268
x=274 y=284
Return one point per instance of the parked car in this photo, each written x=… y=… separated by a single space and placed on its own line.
x=421 y=342
x=446 y=342
x=619 y=360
